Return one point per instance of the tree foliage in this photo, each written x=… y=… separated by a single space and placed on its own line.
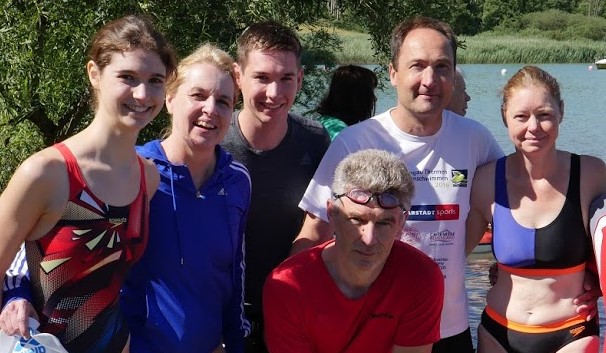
x=44 y=95
x=43 y=88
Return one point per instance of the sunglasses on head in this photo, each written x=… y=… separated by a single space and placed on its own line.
x=362 y=197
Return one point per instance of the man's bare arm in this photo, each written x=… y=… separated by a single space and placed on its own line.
x=315 y=231
x=418 y=349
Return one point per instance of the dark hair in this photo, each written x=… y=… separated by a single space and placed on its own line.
x=128 y=33
x=350 y=97
x=400 y=32
x=526 y=77
x=269 y=35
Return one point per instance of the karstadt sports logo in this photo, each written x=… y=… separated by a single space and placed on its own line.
x=446 y=212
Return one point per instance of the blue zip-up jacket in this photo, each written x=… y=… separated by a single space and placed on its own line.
x=186 y=293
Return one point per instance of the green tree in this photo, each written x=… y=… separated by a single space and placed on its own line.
x=380 y=16
x=44 y=94
x=466 y=17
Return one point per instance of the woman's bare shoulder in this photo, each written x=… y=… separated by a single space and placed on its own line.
x=45 y=166
x=593 y=175
x=152 y=177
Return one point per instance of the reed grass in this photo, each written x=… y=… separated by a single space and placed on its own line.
x=485 y=48
x=356 y=46
x=502 y=49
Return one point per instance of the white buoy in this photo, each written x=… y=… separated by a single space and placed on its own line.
x=590 y=67
x=503 y=72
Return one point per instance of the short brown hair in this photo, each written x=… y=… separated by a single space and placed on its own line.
x=128 y=33
x=401 y=30
x=269 y=35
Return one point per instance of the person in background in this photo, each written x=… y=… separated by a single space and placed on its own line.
x=538 y=200
x=280 y=149
x=442 y=151
x=382 y=294
x=194 y=296
x=350 y=98
x=81 y=206
x=459 y=99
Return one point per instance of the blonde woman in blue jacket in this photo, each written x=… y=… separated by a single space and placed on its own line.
x=187 y=291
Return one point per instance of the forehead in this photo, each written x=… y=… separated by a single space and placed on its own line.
x=531 y=96
x=370 y=211
x=271 y=61
x=206 y=74
x=137 y=60
x=426 y=43
x=459 y=81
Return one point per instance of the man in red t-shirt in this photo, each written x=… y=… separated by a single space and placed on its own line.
x=364 y=291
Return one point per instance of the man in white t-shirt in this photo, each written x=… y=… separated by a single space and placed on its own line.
x=442 y=152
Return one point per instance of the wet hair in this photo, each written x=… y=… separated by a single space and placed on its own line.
x=129 y=33
x=377 y=171
x=526 y=77
x=350 y=97
x=205 y=54
x=401 y=30
x=269 y=35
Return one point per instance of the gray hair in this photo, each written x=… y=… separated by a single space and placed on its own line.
x=377 y=171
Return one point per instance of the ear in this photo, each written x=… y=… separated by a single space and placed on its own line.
x=330 y=209
x=299 y=79
x=405 y=215
x=238 y=72
x=169 y=103
x=561 y=110
x=392 y=74
x=94 y=73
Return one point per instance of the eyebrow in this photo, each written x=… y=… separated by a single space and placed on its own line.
x=382 y=219
x=133 y=72
x=266 y=73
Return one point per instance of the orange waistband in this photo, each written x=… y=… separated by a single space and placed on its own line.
x=550 y=327
x=542 y=271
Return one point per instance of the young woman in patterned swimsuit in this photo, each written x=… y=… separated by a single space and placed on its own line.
x=81 y=206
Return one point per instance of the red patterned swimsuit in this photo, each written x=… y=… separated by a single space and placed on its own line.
x=77 y=269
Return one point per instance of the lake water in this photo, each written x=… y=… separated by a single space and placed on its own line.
x=584 y=127
x=582 y=132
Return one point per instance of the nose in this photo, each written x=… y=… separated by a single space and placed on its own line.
x=467 y=97
x=428 y=77
x=369 y=234
x=210 y=105
x=533 y=123
x=141 y=91
x=272 y=89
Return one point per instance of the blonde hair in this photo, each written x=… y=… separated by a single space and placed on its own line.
x=205 y=54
